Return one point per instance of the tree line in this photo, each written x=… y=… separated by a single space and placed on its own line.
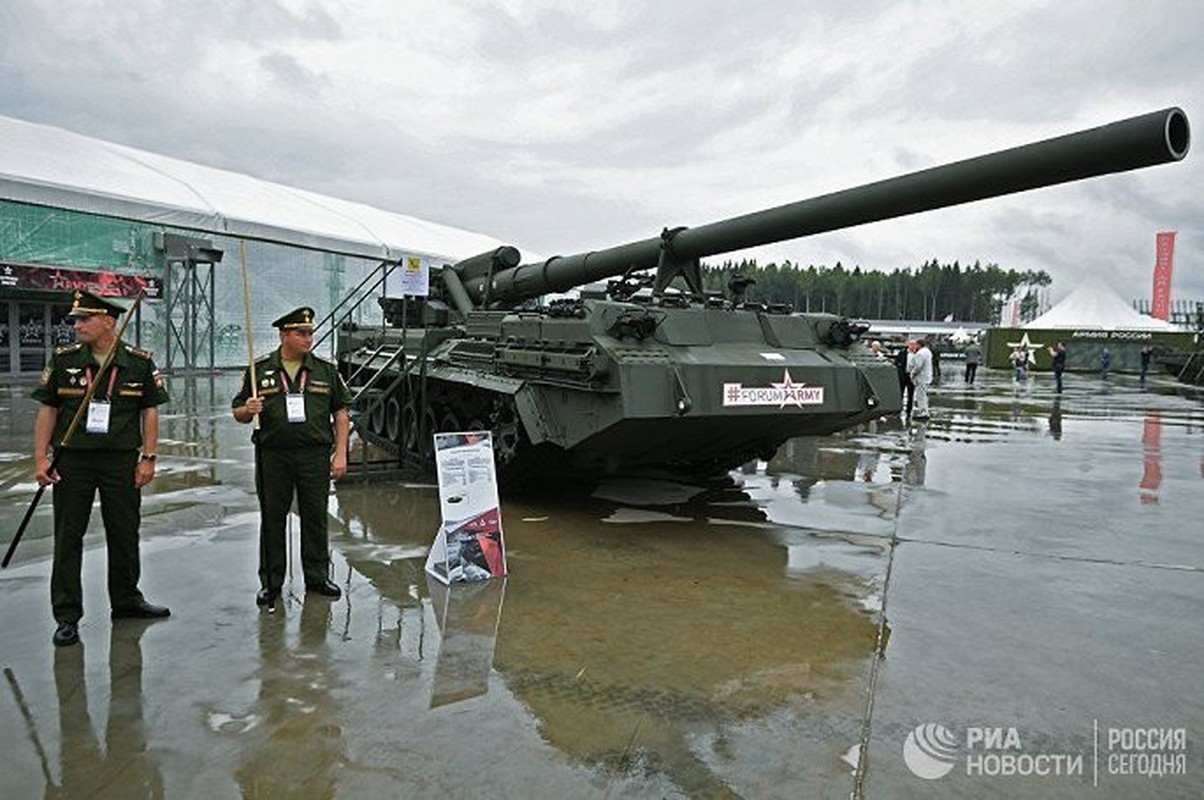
x=932 y=291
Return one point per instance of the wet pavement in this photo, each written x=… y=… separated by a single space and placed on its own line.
x=1004 y=602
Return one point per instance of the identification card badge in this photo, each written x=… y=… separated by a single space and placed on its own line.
x=296 y=407
x=98 y=416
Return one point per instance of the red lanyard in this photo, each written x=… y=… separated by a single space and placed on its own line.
x=302 y=371
x=112 y=379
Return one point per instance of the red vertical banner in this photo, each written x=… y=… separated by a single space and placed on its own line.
x=1164 y=253
x=1011 y=313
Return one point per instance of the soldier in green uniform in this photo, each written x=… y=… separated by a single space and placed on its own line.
x=300 y=444
x=102 y=454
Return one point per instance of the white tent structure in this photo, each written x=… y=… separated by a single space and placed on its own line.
x=1095 y=306
x=75 y=210
x=48 y=166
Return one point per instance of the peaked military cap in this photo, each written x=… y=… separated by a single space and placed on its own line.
x=86 y=304
x=298 y=319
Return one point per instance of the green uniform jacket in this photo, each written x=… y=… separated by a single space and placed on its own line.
x=324 y=390
x=132 y=384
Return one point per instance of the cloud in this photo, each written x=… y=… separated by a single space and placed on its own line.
x=566 y=129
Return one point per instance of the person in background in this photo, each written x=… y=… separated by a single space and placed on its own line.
x=1105 y=363
x=301 y=443
x=1059 y=363
x=1019 y=360
x=102 y=455
x=973 y=357
x=919 y=369
x=906 y=387
x=1055 y=419
x=1147 y=355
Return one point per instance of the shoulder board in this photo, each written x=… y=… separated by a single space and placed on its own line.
x=129 y=348
x=263 y=359
x=322 y=361
x=68 y=348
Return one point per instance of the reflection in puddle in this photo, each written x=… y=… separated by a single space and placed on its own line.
x=220 y=722
x=650 y=647
x=290 y=747
x=632 y=647
x=646 y=492
x=639 y=515
x=1151 y=459
x=125 y=766
x=467 y=615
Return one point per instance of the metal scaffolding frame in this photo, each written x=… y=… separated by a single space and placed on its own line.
x=189 y=294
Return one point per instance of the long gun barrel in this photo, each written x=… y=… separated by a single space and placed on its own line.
x=1142 y=141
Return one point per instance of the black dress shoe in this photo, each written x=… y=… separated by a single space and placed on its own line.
x=66 y=634
x=267 y=598
x=141 y=610
x=324 y=588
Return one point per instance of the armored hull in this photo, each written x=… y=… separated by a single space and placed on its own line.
x=573 y=387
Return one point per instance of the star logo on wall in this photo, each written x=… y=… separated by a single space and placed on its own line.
x=1031 y=347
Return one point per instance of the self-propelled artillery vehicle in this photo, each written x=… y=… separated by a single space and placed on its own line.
x=638 y=372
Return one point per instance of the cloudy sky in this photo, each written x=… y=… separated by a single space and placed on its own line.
x=567 y=130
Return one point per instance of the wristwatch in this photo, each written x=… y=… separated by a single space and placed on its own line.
x=147 y=457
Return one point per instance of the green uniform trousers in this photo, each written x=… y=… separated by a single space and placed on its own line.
x=81 y=474
x=278 y=474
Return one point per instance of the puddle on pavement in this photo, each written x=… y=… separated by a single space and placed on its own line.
x=632 y=643
x=650 y=626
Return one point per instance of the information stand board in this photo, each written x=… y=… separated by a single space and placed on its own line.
x=469 y=544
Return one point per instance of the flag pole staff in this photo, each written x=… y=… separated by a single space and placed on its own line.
x=246 y=304
x=29 y=725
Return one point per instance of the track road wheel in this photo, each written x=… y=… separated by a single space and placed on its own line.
x=426 y=441
x=376 y=421
x=409 y=431
x=449 y=422
x=507 y=434
x=393 y=420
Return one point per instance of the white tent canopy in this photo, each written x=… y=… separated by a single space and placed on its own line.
x=52 y=167
x=1095 y=306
